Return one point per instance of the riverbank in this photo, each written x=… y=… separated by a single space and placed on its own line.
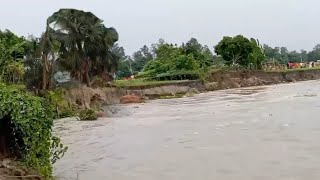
x=218 y=79
x=214 y=80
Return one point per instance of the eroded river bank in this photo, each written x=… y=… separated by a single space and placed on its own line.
x=269 y=132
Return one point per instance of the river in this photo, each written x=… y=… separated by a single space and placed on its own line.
x=263 y=133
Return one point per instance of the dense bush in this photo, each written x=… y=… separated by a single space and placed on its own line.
x=241 y=51
x=59 y=104
x=171 y=65
x=87 y=115
x=31 y=122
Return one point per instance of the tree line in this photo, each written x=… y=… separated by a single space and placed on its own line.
x=237 y=50
x=78 y=42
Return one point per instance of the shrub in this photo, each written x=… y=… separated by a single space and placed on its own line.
x=57 y=102
x=178 y=67
x=31 y=126
x=87 y=115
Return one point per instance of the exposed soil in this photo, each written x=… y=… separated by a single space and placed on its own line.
x=234 y=79
x=10 y=169
x=216 y=80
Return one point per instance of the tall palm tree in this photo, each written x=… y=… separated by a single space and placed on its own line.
x=84 y=40
x=106 y=62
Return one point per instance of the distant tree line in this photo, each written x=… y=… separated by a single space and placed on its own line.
x=230 y=50
x=283 y=55
x=78 y=43
x=163 y=57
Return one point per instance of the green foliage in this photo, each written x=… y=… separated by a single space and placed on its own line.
x=179 y=75
x=14 y=72
x=125 y=62
x=58 y=103
x=32 y=123
x=87 y=115
x=11 y=46
x=173 y=96
x=140 y=59
x=234 y=50
x=185 y=62
x=11 y=54
x=57 y=149
x=171 y=62
x=201 y=54
x=155 y=67
x=315 y=53
x=240 y=52
x=166 y=58
x=84 y=43
x=144 y=82
x=257 y=56
x=283 y=56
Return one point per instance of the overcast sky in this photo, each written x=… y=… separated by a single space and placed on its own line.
x=291 y=23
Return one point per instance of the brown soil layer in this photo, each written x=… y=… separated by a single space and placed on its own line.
x=234 y=79
x=216 y=80
x=12 y=170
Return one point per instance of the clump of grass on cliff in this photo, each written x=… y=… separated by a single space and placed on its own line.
x=87 y=115
x=143 y=82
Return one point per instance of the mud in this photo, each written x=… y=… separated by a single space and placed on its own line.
x=270 y=132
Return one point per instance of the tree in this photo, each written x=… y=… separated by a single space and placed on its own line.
x=124 y=67
x=84 y=44
x=294 y=56
x=315 y=53
x=304 y=55
x=282 y=55
x=33 y=62
x=208 y=58
x=234 y=50
x=193 y=47
x=49 y=47
x=271 y=53
x=170 y=59
x=118 y=51
x=257 y=56
x=284 y=58
x=141 y=58
x=200 y=53
x=184 y=62
x=11 y=56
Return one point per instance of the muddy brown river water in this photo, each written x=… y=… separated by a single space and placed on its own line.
x=258 y=133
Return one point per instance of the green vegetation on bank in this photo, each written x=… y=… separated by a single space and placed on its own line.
x=142 y=82
x=29 y=122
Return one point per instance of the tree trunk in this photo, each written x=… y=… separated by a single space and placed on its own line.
x=85 y=74
x=45 y=76
x=87 y=78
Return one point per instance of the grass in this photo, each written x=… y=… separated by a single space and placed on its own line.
x=142 y=82
x=295 y=70
x=172 y=96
